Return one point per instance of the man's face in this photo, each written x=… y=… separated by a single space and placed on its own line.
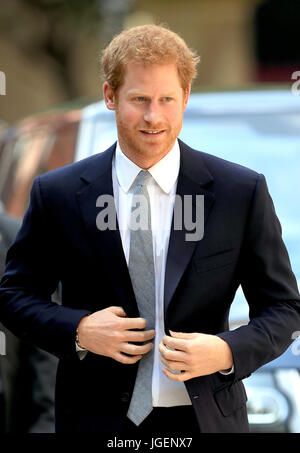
x=149 y=108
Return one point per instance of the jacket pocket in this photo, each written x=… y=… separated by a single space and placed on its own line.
x=231 y=398
x=220 y=259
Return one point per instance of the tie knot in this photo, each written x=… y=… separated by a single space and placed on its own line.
x=143 y=178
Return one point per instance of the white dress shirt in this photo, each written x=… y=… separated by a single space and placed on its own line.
x=161 y=189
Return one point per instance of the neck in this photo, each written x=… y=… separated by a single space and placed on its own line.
x=144 y=161
x=145 y=164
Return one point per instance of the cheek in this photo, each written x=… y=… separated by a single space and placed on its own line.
x=129 y=115
x=175 y=116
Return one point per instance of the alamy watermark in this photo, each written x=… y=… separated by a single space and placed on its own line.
x=296 y=343
x=2 y=343
x=2 y=83
x=296 y=85
x=188 y=214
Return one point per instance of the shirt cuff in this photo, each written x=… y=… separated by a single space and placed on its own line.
x=226 y=372
x=80 y=351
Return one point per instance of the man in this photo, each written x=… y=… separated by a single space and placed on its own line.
x=142 y=333
x=28 y=372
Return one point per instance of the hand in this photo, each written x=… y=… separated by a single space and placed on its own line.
x=107 y=332
x=195 y=354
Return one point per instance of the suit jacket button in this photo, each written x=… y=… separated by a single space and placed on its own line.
x=125 y=397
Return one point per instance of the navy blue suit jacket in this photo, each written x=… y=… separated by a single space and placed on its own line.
x=59 y=241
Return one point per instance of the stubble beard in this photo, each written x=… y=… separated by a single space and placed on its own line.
x=137 y=150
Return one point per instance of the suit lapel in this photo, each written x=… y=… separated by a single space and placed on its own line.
x=107 y=244
x=192 y=180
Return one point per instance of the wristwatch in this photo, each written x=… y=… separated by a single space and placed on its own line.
x=77 y=344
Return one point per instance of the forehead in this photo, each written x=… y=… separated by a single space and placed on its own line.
x=150 y=76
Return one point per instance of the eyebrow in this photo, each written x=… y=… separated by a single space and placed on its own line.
x=141 y=94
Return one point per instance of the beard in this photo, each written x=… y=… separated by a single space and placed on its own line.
x=138 y=147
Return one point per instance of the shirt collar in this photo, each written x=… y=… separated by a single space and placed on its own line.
x=165 y=172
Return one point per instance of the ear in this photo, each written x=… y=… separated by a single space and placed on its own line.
x=109 y=96
x=186 y=96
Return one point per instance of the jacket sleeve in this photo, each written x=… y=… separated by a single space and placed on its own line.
x=269 y=286
x=31 y=277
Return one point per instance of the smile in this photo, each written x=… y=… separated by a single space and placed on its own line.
x=152 y=132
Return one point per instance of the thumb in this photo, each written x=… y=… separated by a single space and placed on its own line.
x=182 y=334
x=118 y=311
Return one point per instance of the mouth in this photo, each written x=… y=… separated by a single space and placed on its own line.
x=152 y=133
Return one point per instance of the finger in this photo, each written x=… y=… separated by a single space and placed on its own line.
x=126 y=360
x=135 y=335
x=175 y=343
x=174 y=366
x=136 y=349
x=119 y=311
x=135 y=323
x=181 y=377
x=168 y=354
x=184 y=335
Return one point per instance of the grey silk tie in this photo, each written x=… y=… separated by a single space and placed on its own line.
x=141 y=269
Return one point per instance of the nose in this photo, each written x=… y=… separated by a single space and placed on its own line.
x=152 y=112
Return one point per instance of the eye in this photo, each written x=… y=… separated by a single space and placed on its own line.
x=140 y=98
x=167 y=99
